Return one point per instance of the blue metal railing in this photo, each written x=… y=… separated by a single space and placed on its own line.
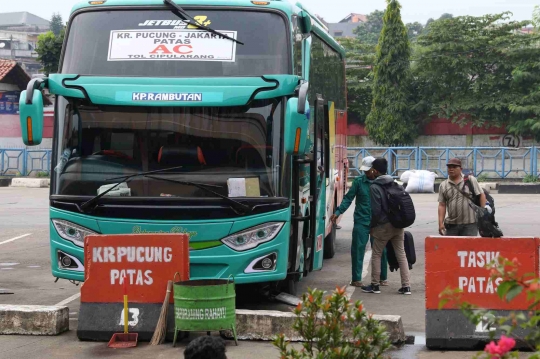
x=495 y=162
x=24 y=162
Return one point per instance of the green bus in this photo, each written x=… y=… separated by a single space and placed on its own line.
x=225 y=120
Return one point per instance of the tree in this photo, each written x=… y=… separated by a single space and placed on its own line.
x=368 y=32
x=414 y=30
x=389 y=122
x=57 y=24
x=480 y=70
x=446 y=16
x=536 y=17
x=360 y=61
x=49 y=49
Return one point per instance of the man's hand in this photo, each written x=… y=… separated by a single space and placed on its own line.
x=333 y=218
x=442 y=229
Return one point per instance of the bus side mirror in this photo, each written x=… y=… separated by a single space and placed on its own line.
x=296 y=127
x=31 y=115
x=304 y=22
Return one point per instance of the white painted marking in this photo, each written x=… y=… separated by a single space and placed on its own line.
x=6 y=268
x=72 y=313
x=14 y=239
x=69 y=300
x=135 y=313
x=367 y=263
x=349 y=291
x=8 y=264
x=483 y=326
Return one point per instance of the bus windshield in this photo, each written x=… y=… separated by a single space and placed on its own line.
x=157 y=43
x=235 y=150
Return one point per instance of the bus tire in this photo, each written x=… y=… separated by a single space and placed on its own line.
x=330 y=244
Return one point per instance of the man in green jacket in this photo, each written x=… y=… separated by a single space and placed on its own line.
x=360 y=190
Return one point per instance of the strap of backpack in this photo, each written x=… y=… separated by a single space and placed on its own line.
x=469 y=184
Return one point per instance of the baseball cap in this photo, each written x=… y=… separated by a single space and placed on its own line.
x=454 y=162
x=367 y=162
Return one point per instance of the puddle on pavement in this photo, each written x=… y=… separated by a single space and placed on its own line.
x=408 y=351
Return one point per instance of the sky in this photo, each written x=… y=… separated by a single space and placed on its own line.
x=334 y=10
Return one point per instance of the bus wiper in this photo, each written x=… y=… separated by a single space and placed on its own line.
x=238 y=207
x=125 y=179
x=187 y=18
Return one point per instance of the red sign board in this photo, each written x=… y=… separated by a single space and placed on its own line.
x=146 y=261
x=459 y=262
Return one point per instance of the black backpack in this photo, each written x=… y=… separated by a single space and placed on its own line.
x=476 y=198
x=487 y=226
x=400 y=212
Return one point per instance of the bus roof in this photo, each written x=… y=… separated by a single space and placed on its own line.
x=318 y=27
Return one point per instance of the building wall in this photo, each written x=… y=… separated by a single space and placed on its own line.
x=10 y=135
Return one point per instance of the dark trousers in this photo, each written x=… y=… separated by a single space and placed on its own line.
x=462 y=230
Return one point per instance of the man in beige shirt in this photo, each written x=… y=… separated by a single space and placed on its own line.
x=461 y=219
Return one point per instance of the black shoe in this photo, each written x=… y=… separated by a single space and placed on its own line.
x=405 y=290
x=372 y=288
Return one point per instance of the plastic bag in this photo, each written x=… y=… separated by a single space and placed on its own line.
x=406 y=175
x=421 y=182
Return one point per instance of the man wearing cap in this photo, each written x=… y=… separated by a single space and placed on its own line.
x=362 y=219
x=461 y=219
x=383 y=231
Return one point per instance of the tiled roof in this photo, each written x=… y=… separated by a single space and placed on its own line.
x=11 y=72
x=5 y=67
x=21 y=18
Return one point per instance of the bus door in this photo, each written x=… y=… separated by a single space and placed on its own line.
x=318 y=192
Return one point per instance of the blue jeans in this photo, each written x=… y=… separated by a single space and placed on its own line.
x=462 y=230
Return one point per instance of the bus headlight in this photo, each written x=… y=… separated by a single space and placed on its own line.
x=71 y=232
x=251 y=238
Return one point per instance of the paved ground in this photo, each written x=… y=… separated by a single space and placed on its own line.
x=24 y=269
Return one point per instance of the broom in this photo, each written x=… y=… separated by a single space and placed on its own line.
x=161 y=328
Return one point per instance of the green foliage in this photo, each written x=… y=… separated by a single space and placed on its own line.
x=482 y=178
x=42 y=174
x=389 y=121
x=446 y=16
x=56 y=24
x=368 y=32
x=480 y=70
x=511 y=285
x=531 y=179
x=360 y=61
x=49 y=49
x=414 y=30
x=536 y=17
x=334 y=329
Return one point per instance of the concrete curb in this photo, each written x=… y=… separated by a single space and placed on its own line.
x=33 y=319
x=30 y=182
x=266 y=324
x=519 y=188
x=5 y=182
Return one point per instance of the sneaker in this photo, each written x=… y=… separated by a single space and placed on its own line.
x=384 y=283
x=405 y=290
x=356 y=284
x=372 y=288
